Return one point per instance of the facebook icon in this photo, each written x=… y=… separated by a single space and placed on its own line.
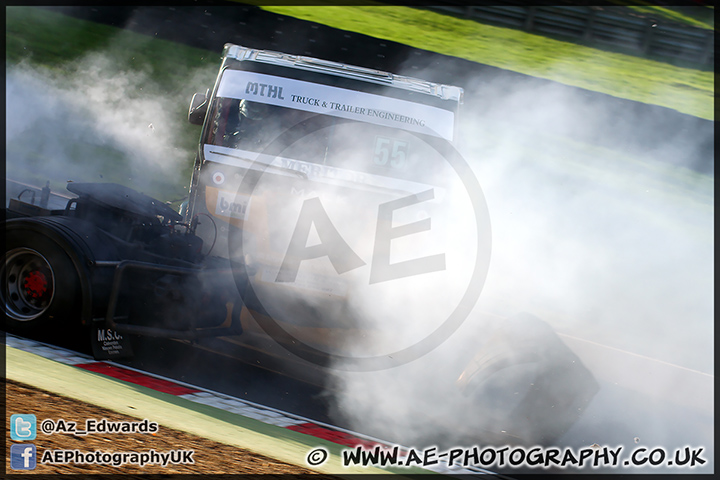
x=22 y=456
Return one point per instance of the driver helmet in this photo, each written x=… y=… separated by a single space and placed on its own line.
x=252 y=110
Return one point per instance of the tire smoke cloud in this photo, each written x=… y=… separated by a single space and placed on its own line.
x=96 y=120
x=610 y=245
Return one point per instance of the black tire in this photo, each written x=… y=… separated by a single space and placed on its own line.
x=39 y=286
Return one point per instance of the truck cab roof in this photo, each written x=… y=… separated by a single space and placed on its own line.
x=235 y=53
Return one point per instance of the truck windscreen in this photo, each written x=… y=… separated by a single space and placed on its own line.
x=362 y=132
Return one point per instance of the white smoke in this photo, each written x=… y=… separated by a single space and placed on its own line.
x=96 y=120
x=427 y=299
x=604 y=244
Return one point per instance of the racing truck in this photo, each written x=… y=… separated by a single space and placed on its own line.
x=312 y=179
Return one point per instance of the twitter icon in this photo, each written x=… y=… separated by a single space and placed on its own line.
x=23 y=427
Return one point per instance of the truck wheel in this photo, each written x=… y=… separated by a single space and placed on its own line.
x=40 y=286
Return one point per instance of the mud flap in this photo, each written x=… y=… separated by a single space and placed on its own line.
x=526 y=359
x=108 y=344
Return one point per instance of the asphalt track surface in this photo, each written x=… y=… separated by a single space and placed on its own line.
x=233 y=377
x=183 y=362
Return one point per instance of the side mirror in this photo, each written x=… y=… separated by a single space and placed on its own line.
x=198 y=108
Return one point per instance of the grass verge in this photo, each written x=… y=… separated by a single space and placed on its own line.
x=687 y=90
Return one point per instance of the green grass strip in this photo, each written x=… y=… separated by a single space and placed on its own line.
x=687 y=90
